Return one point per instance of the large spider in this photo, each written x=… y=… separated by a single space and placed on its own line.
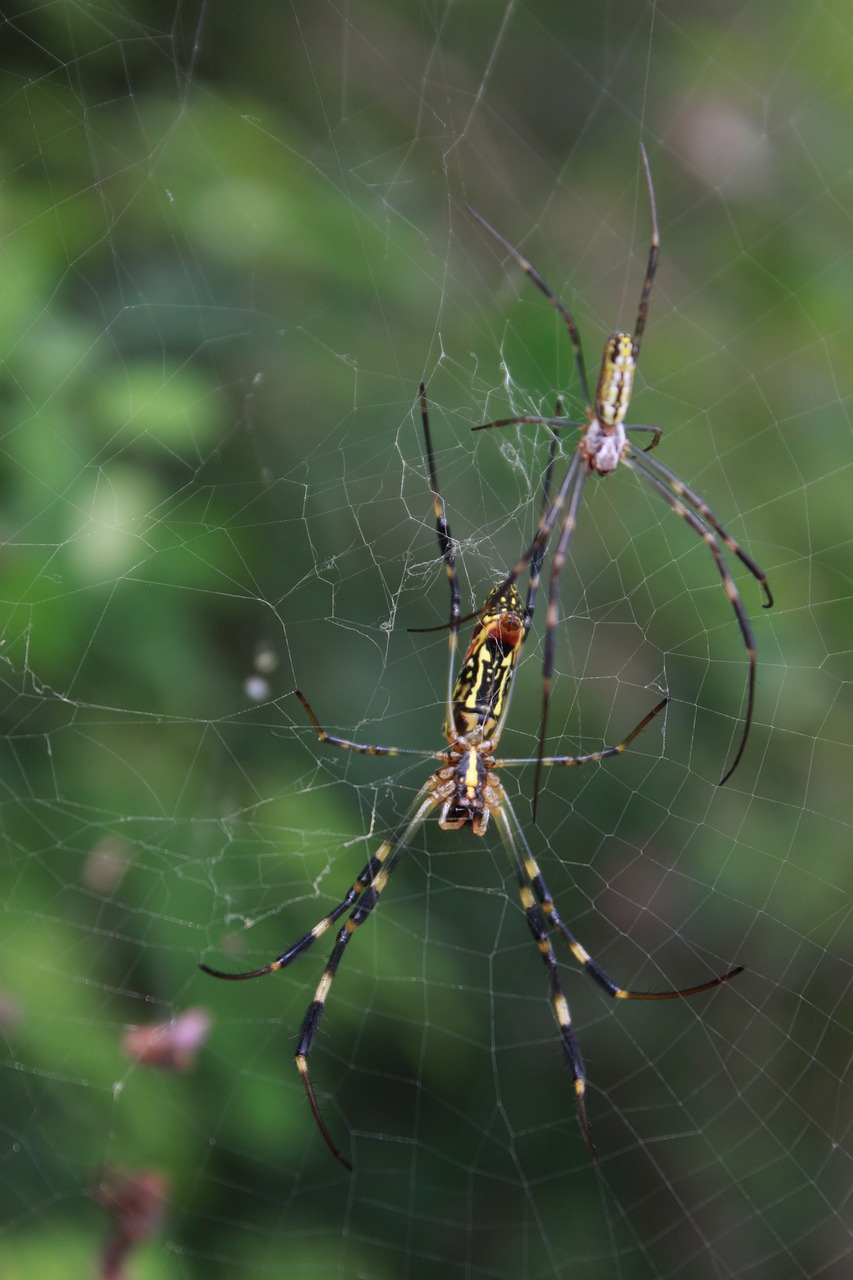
x=468 y=790
x=603 y=445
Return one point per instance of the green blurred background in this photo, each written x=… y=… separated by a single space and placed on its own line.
x=233 y=240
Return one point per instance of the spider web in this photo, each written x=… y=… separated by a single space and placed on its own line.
x=233 y=241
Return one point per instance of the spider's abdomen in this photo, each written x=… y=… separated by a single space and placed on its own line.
x=479 y=695
x=615 y=380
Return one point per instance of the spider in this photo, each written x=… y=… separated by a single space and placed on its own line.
x=468 y=790
x=604 y=444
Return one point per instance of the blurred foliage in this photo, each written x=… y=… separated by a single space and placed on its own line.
x=233 y=240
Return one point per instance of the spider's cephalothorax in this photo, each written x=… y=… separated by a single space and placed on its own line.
x=467 y=787
x=605 y=442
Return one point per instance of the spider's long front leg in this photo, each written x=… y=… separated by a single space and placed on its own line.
x=442 y=524
x=552 y=619
x=445 y=543
x=536 y=561
x=551 y=512
x=654 y=254
x=549 y=518
x=557 y=303
x=548 y=521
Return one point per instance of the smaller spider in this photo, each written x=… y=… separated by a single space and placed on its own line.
x=468 y=789
x=604 y=444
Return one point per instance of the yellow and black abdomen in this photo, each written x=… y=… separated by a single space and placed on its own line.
x=483 y=684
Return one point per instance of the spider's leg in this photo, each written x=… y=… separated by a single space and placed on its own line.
x=547 y=523
x=654 y=253
x=311 y=1021
x=363 y=748
x=536 y=550
x=442 y=525
x=552 y=618
x=643 y=467
x=654 y=432
x=535 y=419
x=386 y=858
x=583 y=958
x=536 y=562
x=560 y=306
x=364 y=893
x=445 y=544
x=539 y=929
x=422 y=805
x=682 y=490
x=296 y=949
x=603 y=754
